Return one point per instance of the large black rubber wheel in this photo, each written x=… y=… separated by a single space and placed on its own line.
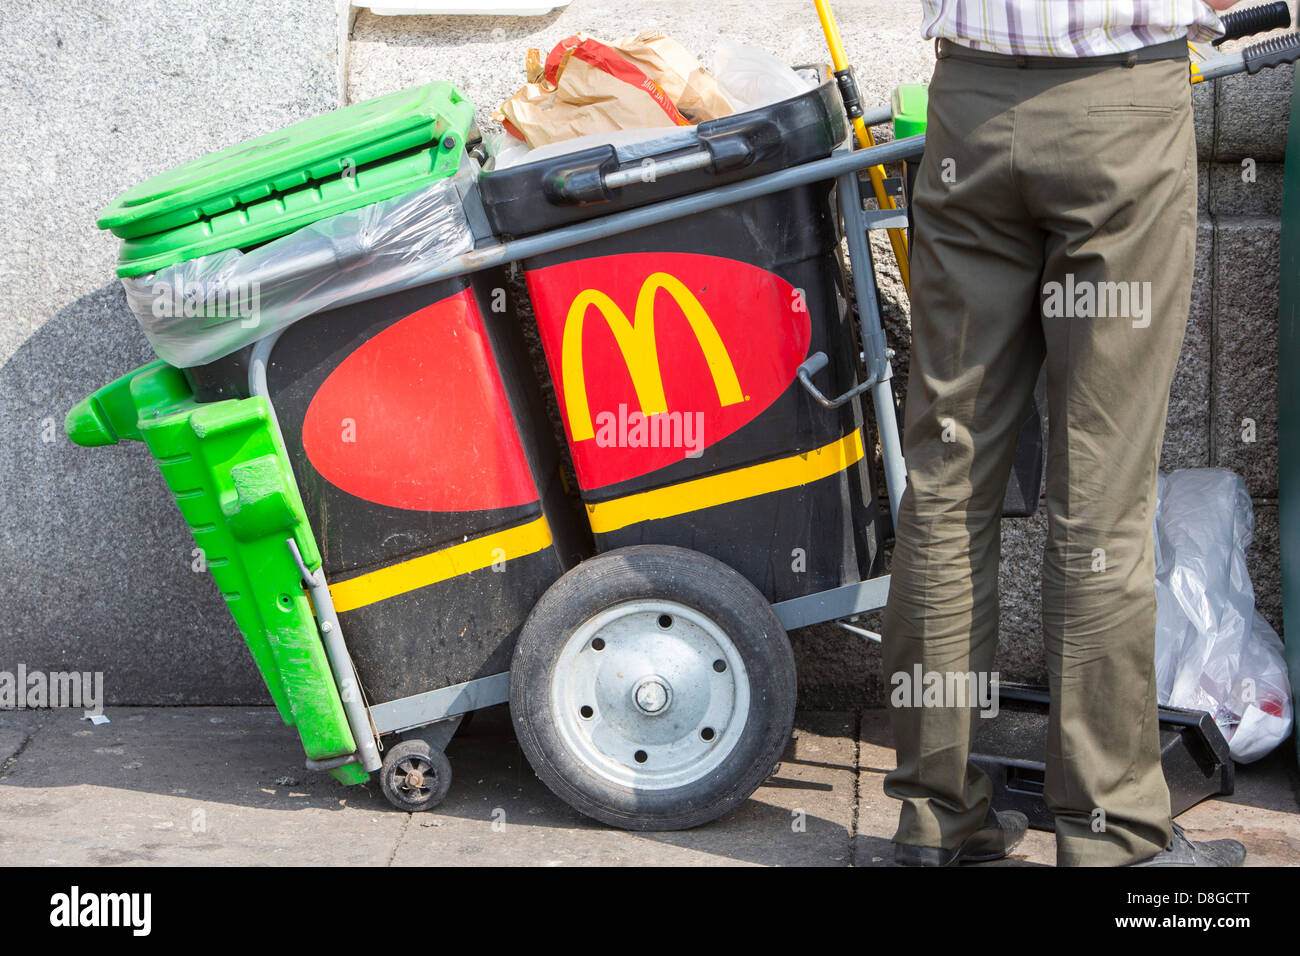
x=653 y=688
x=415 y=776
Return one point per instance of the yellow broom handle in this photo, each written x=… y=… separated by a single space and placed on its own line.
x=897 y=237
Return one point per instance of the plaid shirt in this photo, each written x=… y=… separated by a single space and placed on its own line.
x=1068 y=27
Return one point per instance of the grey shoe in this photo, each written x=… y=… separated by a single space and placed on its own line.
x=1002 y=832
x=1183 y=852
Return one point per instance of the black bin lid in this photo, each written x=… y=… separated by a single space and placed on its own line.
x=559 y=190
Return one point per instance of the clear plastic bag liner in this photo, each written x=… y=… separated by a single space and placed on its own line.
x=1214 y=651
x=750 y=77
x=200 y=310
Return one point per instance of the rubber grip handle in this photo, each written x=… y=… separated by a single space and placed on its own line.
x=735 y=145
x=1244 y=23
x=814 y=363
x=582 y=180
x=1274 y=52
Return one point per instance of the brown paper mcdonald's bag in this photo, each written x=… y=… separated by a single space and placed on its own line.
x=587 y=87
x=692 y=88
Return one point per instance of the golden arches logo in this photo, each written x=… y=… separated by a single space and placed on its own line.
x=636 y=342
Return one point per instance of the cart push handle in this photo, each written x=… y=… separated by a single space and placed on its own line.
x=1244 y=23
x=1258 y=56
x=1270 y=53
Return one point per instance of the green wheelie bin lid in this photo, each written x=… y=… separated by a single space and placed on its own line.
x=271 y=185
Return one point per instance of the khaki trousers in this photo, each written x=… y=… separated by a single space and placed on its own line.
x=1055 y=221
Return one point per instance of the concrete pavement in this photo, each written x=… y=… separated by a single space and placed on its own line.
x=226 y=785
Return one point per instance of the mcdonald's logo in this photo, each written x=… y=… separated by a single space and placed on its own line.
x=636 y=342
x=709 y=337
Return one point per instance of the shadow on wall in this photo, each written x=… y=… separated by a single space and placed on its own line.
x=95 y=561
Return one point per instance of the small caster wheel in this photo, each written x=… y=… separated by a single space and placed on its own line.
x=415 y=776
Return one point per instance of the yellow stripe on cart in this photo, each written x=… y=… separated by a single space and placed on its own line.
x=729 y=486
x=375 y=586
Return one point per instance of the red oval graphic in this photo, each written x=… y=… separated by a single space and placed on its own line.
x=417 y=418
x=656 y=356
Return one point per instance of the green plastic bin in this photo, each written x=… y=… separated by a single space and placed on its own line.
x=909 y=103
x=224 y=461
x=269 y=186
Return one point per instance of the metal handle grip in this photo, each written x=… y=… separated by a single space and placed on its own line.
x=651 y=170
x=814 y=364
x=595 y=180
x=731 y=145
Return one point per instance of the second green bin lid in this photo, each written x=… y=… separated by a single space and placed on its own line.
x=269 y=186
x=908 y=104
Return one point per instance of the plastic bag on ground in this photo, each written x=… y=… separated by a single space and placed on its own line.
x=1214 y=651
x=200 y=310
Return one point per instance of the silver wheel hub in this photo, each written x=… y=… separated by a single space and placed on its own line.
x=650 y=694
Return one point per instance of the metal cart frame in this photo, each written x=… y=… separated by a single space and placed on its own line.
x=845 y=166
x=367 y=723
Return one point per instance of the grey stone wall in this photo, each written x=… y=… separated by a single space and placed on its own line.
x=95 y=97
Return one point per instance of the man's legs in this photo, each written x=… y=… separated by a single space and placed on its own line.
x=1089 y=175
x=977 y=349
x=1109 y=169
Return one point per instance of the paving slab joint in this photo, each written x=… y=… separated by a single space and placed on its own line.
x=28 y=735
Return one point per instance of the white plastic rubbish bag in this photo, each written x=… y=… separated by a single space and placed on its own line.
x=199 y=310
x=750 y=77
x=1214 y=651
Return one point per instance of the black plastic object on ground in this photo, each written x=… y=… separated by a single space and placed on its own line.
x=674 y=349
x=1011 y=749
